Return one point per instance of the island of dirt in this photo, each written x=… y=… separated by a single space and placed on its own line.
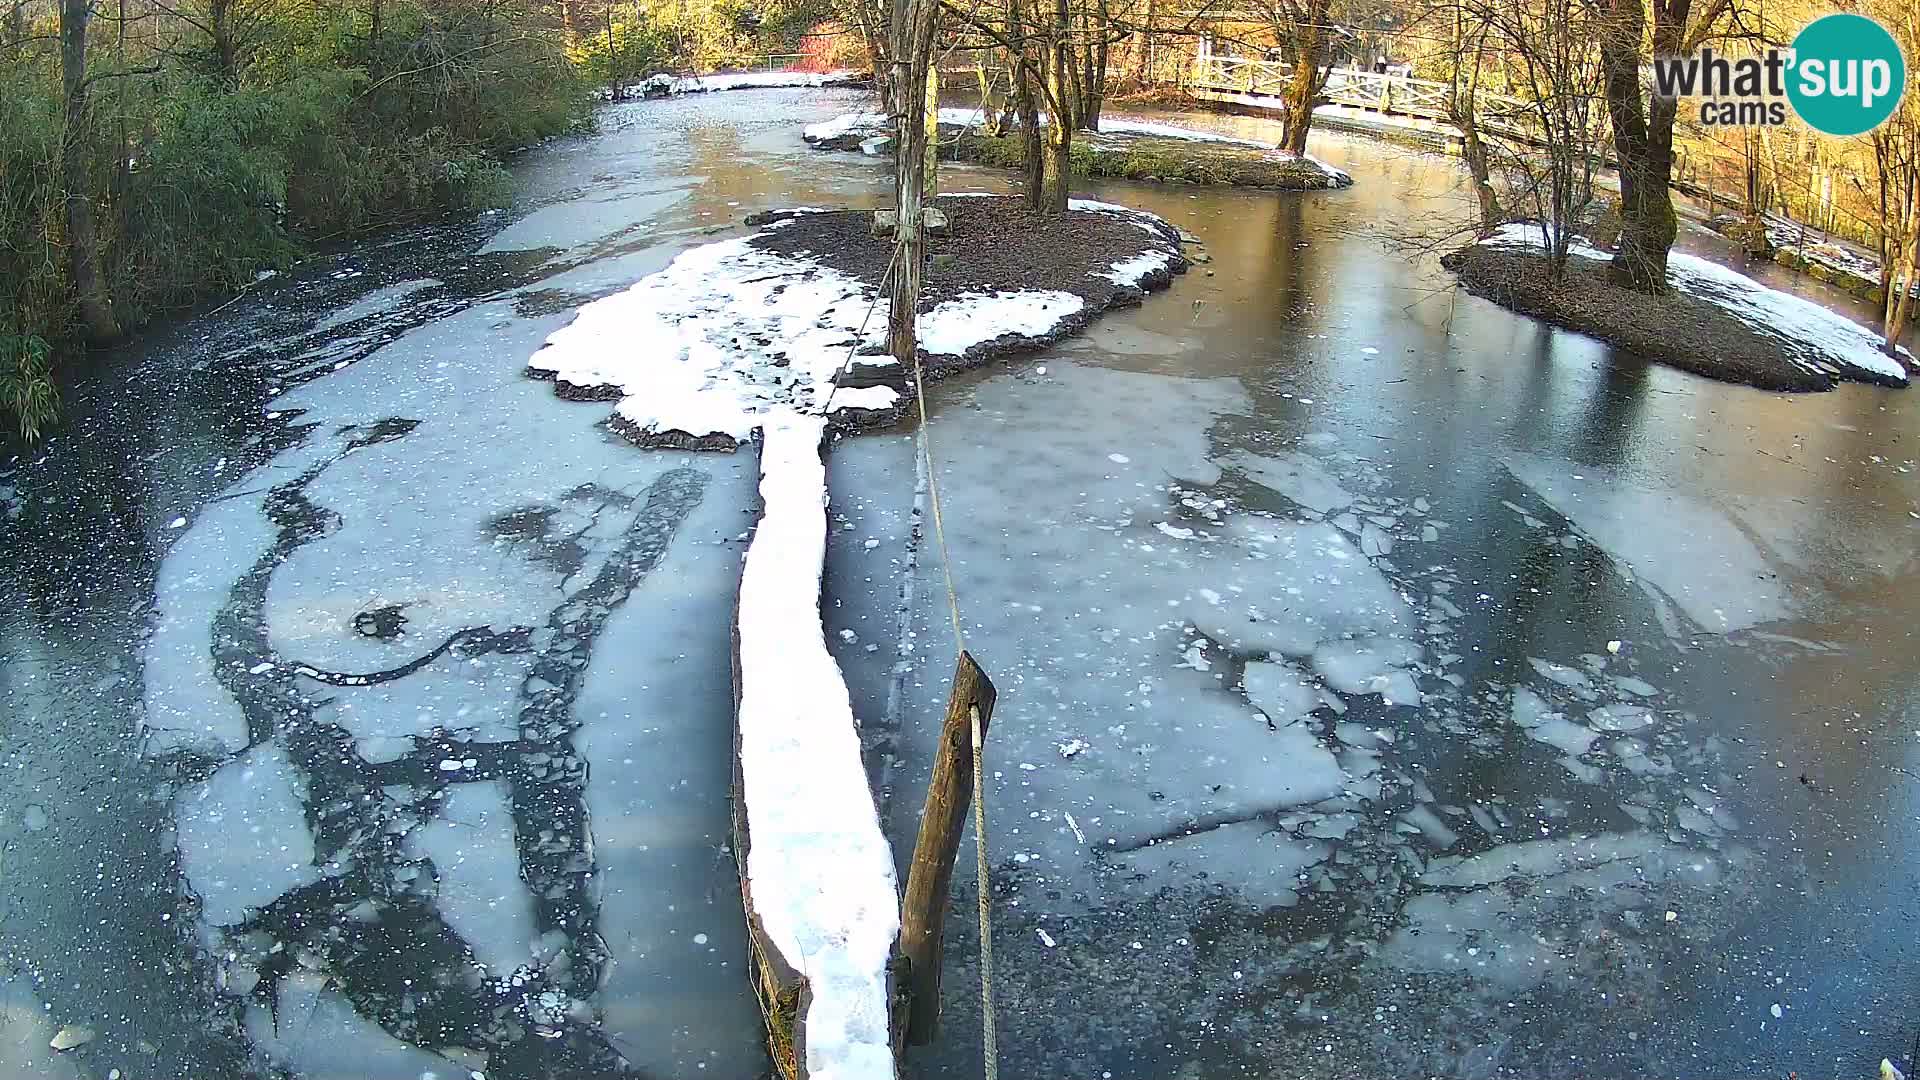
x=1122 y=150
x=993 y=252
x=794 y=315
x=1692 y=329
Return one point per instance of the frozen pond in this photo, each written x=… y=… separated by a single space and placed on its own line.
x=1389 y=685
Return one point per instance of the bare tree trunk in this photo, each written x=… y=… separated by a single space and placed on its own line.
x=1059 y=157
x=83 y=242
x=989 y=110
x=910 y=48
x=1901 y=281
x=1643 y=143
x=1019 y=56
x=930 y=129
x=226 y=52
x=17 y=23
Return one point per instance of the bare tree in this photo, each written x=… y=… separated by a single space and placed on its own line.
x=912 y=33
x=1305 y=32
x=76 y=148
x=1643 y=124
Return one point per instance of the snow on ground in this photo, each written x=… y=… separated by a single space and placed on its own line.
x=243 y=835
x=1817 y=339
x=1679 y=548
x=724 y=334
x=877 y=124
x=760 y=80
x=478 y=871
x=818 y=868
x=956 y=325
x=728 y=333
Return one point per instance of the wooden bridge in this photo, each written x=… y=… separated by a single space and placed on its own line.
x=1242 y=80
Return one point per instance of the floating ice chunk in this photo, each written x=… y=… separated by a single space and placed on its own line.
x=1372 y=665
x=1620 y=717
x=1249 y=857
x=1423 y=818
x=1280 y=692
x=1177 y=532
x=481 y=894
x=1073 y=747
x=243 y=834
x=1571 y=678
x=1678 y=546
x=1296 y=476
x=330 y=1039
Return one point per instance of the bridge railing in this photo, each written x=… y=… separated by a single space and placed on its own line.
x=1360 y=89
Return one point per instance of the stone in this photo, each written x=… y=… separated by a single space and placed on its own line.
x=884 y=222
x=876 y=145
x=945 y=261
x=935 y=220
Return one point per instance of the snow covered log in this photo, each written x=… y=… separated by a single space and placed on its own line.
x=816 y=875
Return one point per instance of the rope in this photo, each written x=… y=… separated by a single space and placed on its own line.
x=989 y=1043
x=989 y=1040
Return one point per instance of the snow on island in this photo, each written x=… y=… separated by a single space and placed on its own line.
x=1821 y=343
x=870 y=132
x=698 y=354
x=818 y=877
x=665 y=85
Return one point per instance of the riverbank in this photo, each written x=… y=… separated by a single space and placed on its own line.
x=1715 y=322
x=1123 y=149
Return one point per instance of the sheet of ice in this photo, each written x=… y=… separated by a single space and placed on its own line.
x=726 y=332
x=1678 y=546
x=1097 y=660
x=1620 y=718
x=656 y=732
x=1423 y=818
x=1260 y=864
x=1517 y=914
x=1817 y=339
x=318 y=1036
x=26 y=1029
x=819 y=870
x=186 y=707
x=1312 y=586
x=1370 y=665
x=480 y=892
x=1297 y=476
x=1280 y=692
x=243 y=834
x=954 y=326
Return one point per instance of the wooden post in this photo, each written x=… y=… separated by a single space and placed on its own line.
x=949 y=795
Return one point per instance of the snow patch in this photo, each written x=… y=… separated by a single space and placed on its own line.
x=819 y=870
x=956 y=325
x=725 y=333
x=1818 y=340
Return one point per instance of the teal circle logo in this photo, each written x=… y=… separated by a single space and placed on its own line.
x=1847 y=74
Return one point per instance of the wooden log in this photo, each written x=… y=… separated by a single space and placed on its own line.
x=949 y=795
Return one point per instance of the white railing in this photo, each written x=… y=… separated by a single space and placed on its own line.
x=1359 y=89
